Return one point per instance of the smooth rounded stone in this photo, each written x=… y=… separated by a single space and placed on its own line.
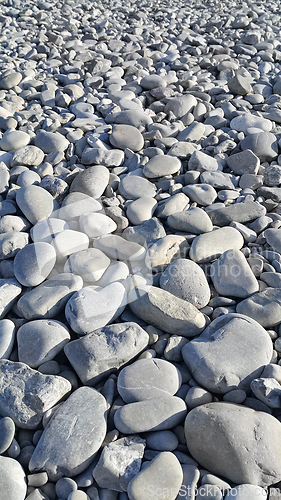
x=203 y=194
x=95 y=224
x=27 y=178
x=185 y=279
x=73 y=435
x=11 y=243
x=180 y=105
x=162 y=478
x=157 y=414
x=35 y=203
x=105 y=157
x=217 y=179
x=133 y=187
x=239 y=85
x=68 y=242
x=25 y=394
x=119 y=463
x=33 y=263
x=31 y=156
x=4 y=179
x=7 y=433
x=50 y=141
x=267 y=390
x=245 y=162
x=126 y=136
x=262 y=144
x=14 y=139
x=239 y=212
x=90 y=264
x=45 y=230
x=209 y=492
x=7 y=337
x=89 y=309
x=9 y=291
x=242 y=122
x=181 y=317
x=251 y=458
x=209 y=246
x=173 y=205
x=232 y=275
x=76 y=204
x=141 y=210
x=229 y=354
x=134 y=117
x=193 y=220
x=13 y=480
x=264 y=307
x=148 y=379
x=117 y=248
x=272 y=279
x=182 y=150
x=153 y=81
x=197 y=396
x=161 y=441
x=65 y=486
x=201 y=162
x=11 y=80
x=105 y=350
x=40 y=341
x=91 y=181
x=246 y=492
x=48 y=299
x=273 y=238
x=161 y=165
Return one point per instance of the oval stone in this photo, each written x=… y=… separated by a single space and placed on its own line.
x=264 y=307
x=7 y=433
x=96 y=224
x=185 y=279
x=161 y=165
x=90 y=264
x=194 y=221
x=14 y=139
x=35 y=203
x=91 y=181
x=33 y=263
x=31 y=156
x=13 y=480
x=135 y=186
x=155 y=414
x=147 y=379
x=126 y=136
x=253 y=457
x=72 y=437
x=50 y=141
x=7 y=337
x=209 y=246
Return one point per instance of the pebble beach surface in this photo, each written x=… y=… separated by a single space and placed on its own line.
x=140 y=250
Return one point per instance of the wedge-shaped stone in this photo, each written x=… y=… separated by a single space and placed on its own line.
x=166 y=311
x=25 y=394
x=73 y=435
x=103 y=351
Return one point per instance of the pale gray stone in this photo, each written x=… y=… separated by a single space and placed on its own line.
x=31 y=156
x=40 y=341
x=246 y=492
x=91 y=181
x=14 y=139
x=7 y=433
x=193 y=220
x=185 y=279
x=148 y=379
x=161 y=440
x=90 y=264
x=105 y=350
x=134 y=186
x=267 y=390
x=264 y=307
x=262 y=144
x=26 y=394
x=50 y=141
x=13 y=480
x=203 y=194
x=180 y=105
x=11 y=243
x=48 y=299
x=119 y=463
x=89 y=309
x=161 y=165
x=242 y=122
x=232 y=275
x=155 y=414
x=145 y=233
x=172 y=205
x=10 y=288
x=73 y=435
x=7 y=337
x=116 y=247
x=150 y=304
x=33 y=263
x=126 y=136
x=208 y=246
x=200 y=161
x=9 y=81
x=229 y=354
x=251 y=458
x=238 y=212
x=35 y=203
x=76 y=204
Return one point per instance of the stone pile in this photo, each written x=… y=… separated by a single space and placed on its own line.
x=140 y=250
